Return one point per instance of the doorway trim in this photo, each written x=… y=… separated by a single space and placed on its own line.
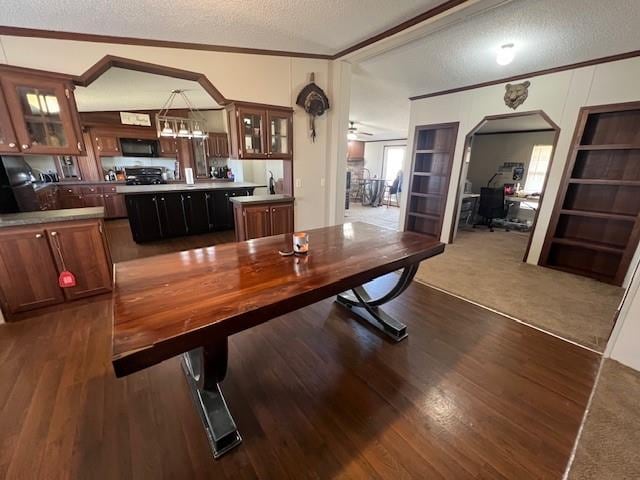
x=467 y=145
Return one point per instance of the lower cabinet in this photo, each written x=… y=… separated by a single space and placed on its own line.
x=262 y=219
x=175 y=214
x=32 y=257
x=114 y=206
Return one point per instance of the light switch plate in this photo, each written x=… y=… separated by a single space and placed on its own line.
x=298 y=183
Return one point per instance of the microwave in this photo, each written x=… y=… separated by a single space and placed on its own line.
x=139 y=147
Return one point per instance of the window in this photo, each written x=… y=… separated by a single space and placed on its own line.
x=393 y=160
x=540 y=158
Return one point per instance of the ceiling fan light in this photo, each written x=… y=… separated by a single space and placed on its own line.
x=506 y=54
x=352 y=136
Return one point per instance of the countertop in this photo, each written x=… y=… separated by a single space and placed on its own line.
x=278 y=198
x=49 y=216
x=183 y=187
x=42 y=185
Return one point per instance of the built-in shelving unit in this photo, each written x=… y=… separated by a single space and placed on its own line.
x=595 y=226
x=430 y=173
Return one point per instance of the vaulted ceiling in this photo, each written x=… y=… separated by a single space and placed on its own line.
x=313 y=26
x=546 y=34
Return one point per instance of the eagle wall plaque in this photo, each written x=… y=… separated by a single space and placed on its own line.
x=314 y=101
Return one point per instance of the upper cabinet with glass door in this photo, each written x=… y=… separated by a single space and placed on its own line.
x=43 y=113
x=260 y=132
x=8 y=140
x=279 y=137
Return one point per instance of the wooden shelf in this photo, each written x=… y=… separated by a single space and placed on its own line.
x=426 y=195
x=424 y=215
x=597 y=181
x=586 y=213
x=432 y=151
x=590 y=245
x=609 y=147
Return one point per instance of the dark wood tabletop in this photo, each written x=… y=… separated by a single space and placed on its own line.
x=169 y=304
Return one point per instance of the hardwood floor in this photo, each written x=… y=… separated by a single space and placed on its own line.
x=123 y=247
x=469 y=394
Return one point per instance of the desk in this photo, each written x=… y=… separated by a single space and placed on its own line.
x=530 y=203
x=192 y=301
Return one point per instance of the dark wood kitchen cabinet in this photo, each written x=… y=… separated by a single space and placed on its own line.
x=32 y=257
x=8 y=139
x=218 y=145
x=174 y=214
x=43 y=113
x=144 y=217
x=28 y=273
x=114 y=206
x=168 y=146
x=106 y=145
x=262 y=217
x=258 y=132
x=81 y=248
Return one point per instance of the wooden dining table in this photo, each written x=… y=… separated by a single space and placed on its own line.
x=190 y=302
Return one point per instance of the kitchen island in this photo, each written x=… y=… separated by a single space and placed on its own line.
x=177 y=209
x=36 y=247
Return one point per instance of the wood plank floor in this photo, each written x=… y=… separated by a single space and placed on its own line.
x=315 y=394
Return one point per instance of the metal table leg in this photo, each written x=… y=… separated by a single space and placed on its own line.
x=205 y=368
x=368 y=309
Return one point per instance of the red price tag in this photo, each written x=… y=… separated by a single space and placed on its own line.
x=66 y=279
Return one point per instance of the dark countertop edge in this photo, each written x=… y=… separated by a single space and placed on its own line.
x=201 y=186
x=41 y=186
x=278 y=198
x=50 y=216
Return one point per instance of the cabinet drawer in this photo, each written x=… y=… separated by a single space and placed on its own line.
x=70 y=190
x=108 y=189
x=89 y=189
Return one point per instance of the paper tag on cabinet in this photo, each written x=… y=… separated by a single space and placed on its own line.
x=66 y=279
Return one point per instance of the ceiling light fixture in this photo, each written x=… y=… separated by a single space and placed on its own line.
x=506 y=54
x=193 y=126
x=352 y=136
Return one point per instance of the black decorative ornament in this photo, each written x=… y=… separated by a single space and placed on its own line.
x=315 y=102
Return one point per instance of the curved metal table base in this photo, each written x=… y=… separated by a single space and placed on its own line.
x=368 y=309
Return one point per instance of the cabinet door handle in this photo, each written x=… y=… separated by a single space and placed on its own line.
x=38 y=235
x=79 y=146
x=25 y=146
x=273 y=209
x=53 y=234
x=12 y=145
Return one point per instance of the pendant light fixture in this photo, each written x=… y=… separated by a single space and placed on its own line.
x=193 y=126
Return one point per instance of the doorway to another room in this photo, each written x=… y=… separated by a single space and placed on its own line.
x=374 y=182
x=505 y=166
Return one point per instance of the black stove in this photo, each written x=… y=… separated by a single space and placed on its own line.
x=144 y=176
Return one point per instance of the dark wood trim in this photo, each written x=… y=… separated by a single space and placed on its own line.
x=511 y=132
x=547 y=71
x=387 y=140
x=242 y=103
x=109 y=61
x=467 y=144
x=437 y=10
x=35 y=71
x=148 y=42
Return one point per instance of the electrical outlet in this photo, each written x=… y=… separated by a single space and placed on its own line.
x=322 y=182
x=298 y=183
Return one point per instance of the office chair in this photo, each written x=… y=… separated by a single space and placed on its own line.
x=491 y=206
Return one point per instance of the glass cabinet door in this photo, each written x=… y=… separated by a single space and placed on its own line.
x=8 y=141
x=252 y=124
x=42 y=115
x=68 y=168
x=279 y=135
x=200 y=148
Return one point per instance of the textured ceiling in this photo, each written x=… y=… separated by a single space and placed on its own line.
x=515 y=124
x=312 y=26
x=119 y=89
x=547 y=33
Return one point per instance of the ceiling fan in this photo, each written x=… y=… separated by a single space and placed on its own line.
x=353 y=131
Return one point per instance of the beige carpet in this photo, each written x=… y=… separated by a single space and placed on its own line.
x=487 y=268
x=609 y=447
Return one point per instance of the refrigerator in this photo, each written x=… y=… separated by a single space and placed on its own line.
x=16 y=186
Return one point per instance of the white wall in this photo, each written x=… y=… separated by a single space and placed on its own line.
x=374 y=155
x=255 y=78
x=624 y=343
x=559 y=95
x=489 y=152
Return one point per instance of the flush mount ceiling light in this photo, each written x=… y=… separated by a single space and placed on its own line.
x=352 y=136
x=506 y=54
x=193 y=126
